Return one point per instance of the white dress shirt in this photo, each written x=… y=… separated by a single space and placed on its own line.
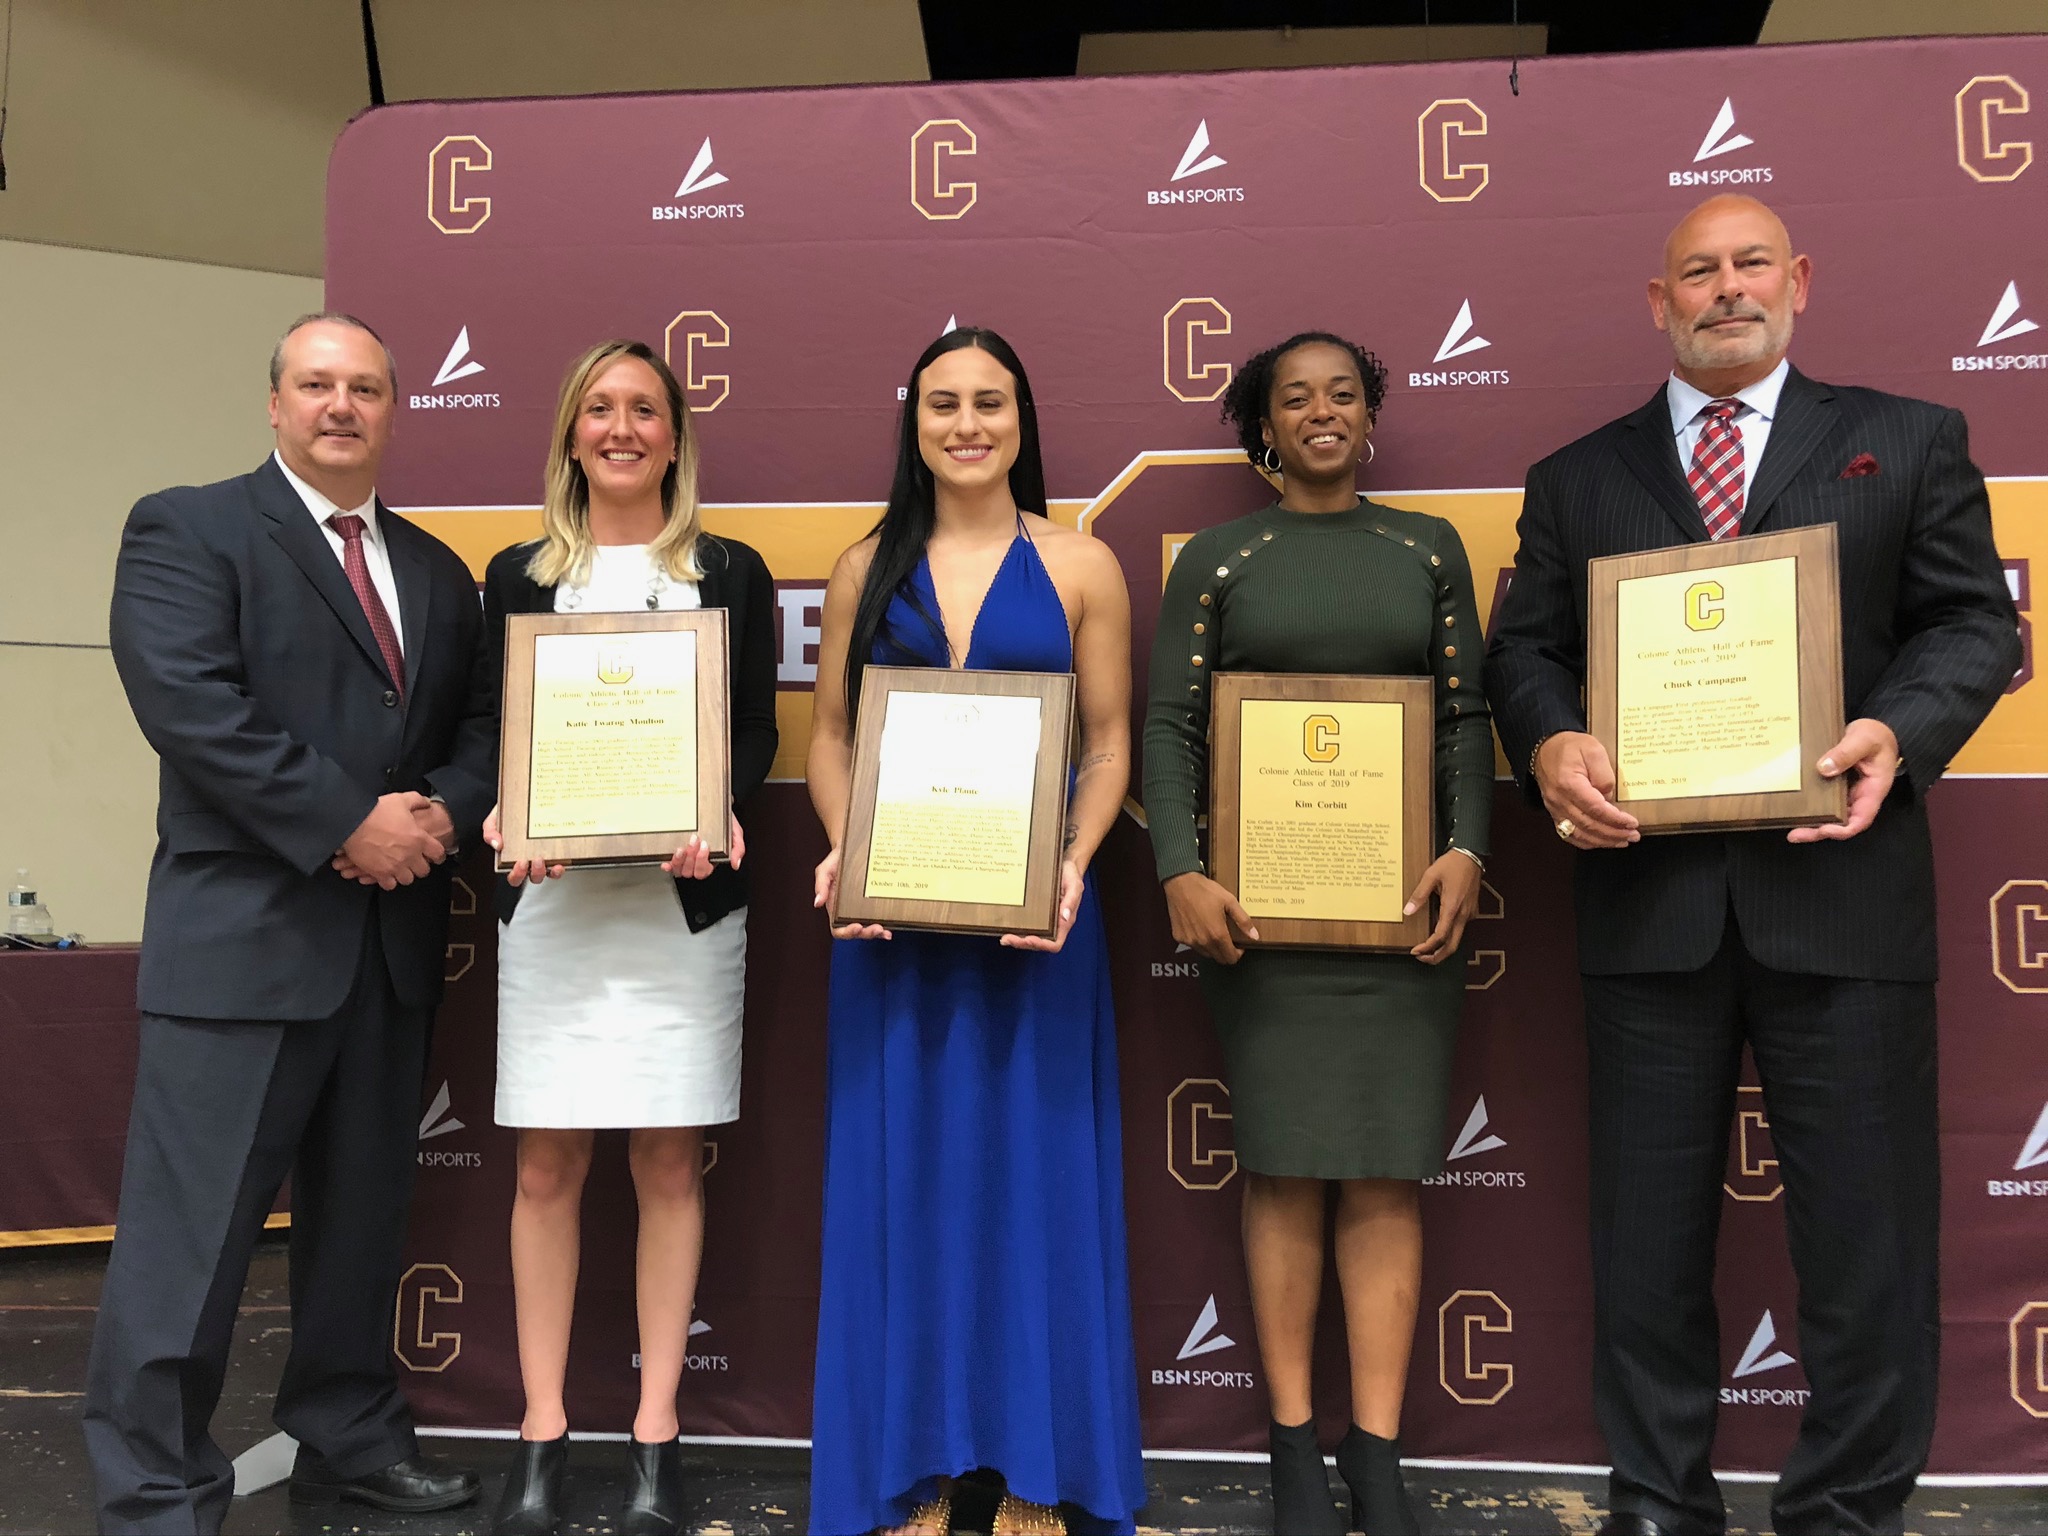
x=375 y=555
x=1752 y=421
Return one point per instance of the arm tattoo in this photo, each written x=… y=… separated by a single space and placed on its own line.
x=1095 y=760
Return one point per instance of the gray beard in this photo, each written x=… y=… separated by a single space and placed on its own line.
x=1771 y=340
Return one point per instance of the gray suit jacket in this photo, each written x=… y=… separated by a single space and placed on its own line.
x=253 y=673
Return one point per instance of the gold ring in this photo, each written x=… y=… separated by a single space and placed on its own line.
x=1565 y=829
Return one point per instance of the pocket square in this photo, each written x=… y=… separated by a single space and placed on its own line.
x=1863 y=464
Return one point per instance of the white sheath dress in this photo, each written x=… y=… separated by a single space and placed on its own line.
x=611 y=1012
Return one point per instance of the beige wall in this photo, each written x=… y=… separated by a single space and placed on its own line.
x=119 y=375
x=1143 y=53
x=1813 y=21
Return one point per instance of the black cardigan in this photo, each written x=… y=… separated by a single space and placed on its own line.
x=735 y=579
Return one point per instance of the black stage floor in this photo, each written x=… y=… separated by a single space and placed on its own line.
x=47 y=1299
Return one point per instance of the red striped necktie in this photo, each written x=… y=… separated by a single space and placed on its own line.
x=1716 y=473
x=350 y=527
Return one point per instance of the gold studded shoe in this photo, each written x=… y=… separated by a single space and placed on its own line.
x=931 y=1518
x=1016 y=1517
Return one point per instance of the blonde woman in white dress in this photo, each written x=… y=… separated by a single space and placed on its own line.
x=620 y=990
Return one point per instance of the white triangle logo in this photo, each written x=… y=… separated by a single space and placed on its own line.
x=1761 y=1353
x=1714 y=143
x=431 y=1123
x=1474 y=1139
x=700 y=175
x=2035 y=1152
x=2002 y=326
x=1203 y=1338
x=1456 y=342
x=952 y=325
x=457 y=364
x=697 y=1326
x=1196 y=158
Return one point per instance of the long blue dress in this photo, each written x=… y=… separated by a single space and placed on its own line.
x=975 y=1304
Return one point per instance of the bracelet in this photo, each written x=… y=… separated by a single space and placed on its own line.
x=1454 y=848
x=1536 y=751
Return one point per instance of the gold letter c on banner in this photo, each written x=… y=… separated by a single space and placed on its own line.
x=1444 y=178
x=698 y=329
x=420 y=1347
x=1186 y=379
x=932 y=192
x=1976 y=151
x=1462 y=1369
x=448 y=210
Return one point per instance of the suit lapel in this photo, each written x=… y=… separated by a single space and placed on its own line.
x=1806 y=416
x=295 y=532
x=414 y=578
x=1650 y=450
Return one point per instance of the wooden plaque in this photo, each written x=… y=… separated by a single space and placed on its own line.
x=614 y=745
x=959 y=800
x=1714 y=680
x=1321 y=813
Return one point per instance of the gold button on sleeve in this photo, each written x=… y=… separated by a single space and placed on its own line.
x=1449 y=622
x=1222 y=570
x=1201 y=629
x=1452 y=683
x=1205 y=599
x=1195 y=661
x=1449 y=650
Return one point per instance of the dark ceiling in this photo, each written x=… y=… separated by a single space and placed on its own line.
x=968 y=42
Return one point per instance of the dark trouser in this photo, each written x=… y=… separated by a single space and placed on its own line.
x=223 y=1110
x=1848 y=1071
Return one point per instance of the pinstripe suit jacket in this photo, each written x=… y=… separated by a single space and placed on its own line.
x=1929 y=641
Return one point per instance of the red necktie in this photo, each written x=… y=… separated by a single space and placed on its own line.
x=350 y=527
x=1716 y=473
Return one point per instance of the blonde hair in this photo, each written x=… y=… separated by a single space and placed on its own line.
x=565 y=546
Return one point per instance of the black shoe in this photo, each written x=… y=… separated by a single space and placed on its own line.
x=1302 y=1505
x=654 y=1494
x=415 y=1486
x=1632 y=1525
x=1371 y=1469
x=530 y=1504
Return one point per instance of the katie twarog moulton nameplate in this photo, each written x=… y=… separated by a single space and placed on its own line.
x=959 y=794
x=615 y=747
x=1714 y=680
x=1320 y=805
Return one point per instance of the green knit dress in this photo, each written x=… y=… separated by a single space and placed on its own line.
x=1339 y=1062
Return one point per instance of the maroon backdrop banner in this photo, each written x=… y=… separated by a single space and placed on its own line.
x=1135 y=238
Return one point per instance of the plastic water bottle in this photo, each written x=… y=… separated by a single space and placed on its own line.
x=27 y=917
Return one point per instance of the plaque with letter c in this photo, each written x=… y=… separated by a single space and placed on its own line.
x=1714 y=681
x=1321 y=805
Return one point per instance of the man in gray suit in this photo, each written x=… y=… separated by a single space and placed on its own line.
x=1817 y=948
x=309 y=668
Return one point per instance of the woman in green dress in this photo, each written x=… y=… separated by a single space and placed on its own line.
x=1339 y=1062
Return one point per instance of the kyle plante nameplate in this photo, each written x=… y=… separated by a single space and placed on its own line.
x=1714 y=680
x=959 y=797
x=1320 y=805
x=615 y=747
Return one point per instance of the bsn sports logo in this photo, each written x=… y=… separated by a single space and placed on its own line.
x=700 y=177
x=2033 y=1154
x=1182 y=969
x=458 y=364
x=1760 y=1356
x=1459 y=341
x=1722 y=139
x=1196 y=160
x=2006 y=324
x=438 y=1121
x=1205 y=1338
x=1474 y=1138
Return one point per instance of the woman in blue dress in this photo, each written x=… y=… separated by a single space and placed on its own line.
x=975 y=1302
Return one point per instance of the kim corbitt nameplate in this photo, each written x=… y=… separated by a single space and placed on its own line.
x=1714 y=680
x=959 y=798
x=1320 y=805
x=615 y=747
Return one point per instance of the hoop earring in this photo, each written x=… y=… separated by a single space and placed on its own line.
x=1269 y=461
x=1371 y=452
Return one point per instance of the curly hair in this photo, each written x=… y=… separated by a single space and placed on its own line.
x=1249 y=395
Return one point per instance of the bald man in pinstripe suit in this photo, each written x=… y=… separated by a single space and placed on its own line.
x=1815 y=948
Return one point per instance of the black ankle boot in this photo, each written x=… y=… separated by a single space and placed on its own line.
x=1371 y=1469
x=654 y=1494
x=1302 y=1505
x=531 y=1501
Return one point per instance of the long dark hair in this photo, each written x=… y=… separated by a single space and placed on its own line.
x=906 y=527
